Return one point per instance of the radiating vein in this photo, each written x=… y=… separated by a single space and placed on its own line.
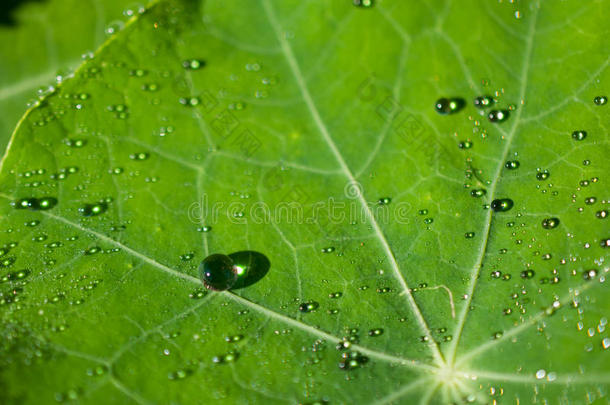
x=480 y=256
x=294 y=66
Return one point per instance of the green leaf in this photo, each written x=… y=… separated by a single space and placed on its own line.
x=307 y=132
x=44 y=40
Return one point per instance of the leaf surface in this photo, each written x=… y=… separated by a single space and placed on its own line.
x=307 y=132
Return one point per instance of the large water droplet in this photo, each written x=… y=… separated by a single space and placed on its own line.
x=218 y=272
x=449 y=106
x=550 y=223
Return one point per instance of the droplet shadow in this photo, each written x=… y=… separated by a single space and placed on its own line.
x=255 y=266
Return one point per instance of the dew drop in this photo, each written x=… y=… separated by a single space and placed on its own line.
x=550 y=223
x=483 y=101
x=193 y=64
x=91 y=210
x=376 y=332
x=139 y=156
x=600 y=100
x=528 y=274
x=498 y=116
x=363 y=3
x=308 y=306
x=501 y=205
x=478 y=192
x=512 y=164
x=579 y=135
x=543 y=175
x=449 y=106
x=218 y=272
x=384 y=201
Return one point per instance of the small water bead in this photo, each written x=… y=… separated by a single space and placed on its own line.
x=309 y=306
x=601 y=214
x=483 y=101
x=540 y=374
x=498 y=116
x=150 y=87
x=376 y=332
x=92 y=210
x=448 y=106
x=329 y=249
x=501 y=205
x=190 y=101
x=465 y=145
x=204 y=229
x=496 y=335
x=550 y=223
x=477 y=193
x=139 y=156
x=589 y=274
x=363 y=3
x=384 y=201
x=590 y=200
x=528 y=274
x=193 y=64
x=512 y=164
x=469 y=235
x=75 y=143
x=600 y=100
x=423 y=212
x=92 y=250
x=234 y=338
x=187 y=256
x=335 y=295
x=226 y=358
x=218 y=272
x=579 y=135
x=543 y=175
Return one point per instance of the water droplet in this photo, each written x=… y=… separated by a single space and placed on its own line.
x=606 y=343
x=469 y=235
x=91 y=210
x=449 y=106
x=579 y=135
x=187 y=256
x=308 y=306
x=376 y=332
x=139 y=156
x=590 y=200
x=550 y=223
x=423 y=212
x=601 y=214
x=329 y=249
x=193 y=64
x=528 y=273
x=483 y=101
x=501 y=205
x=512 y=164
x=543 y=175
x=230 y=357
x=75 y=143
x=428 y=221
x=498 y=116
x=218 y=272
x=589 y=274
x=363 y=3
x=384 y=201
x=234 y=338
x=204 y=229
x=540 y=374
x=600 y=100
x=480 y=192
x=335 y=295
x=465 y=145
